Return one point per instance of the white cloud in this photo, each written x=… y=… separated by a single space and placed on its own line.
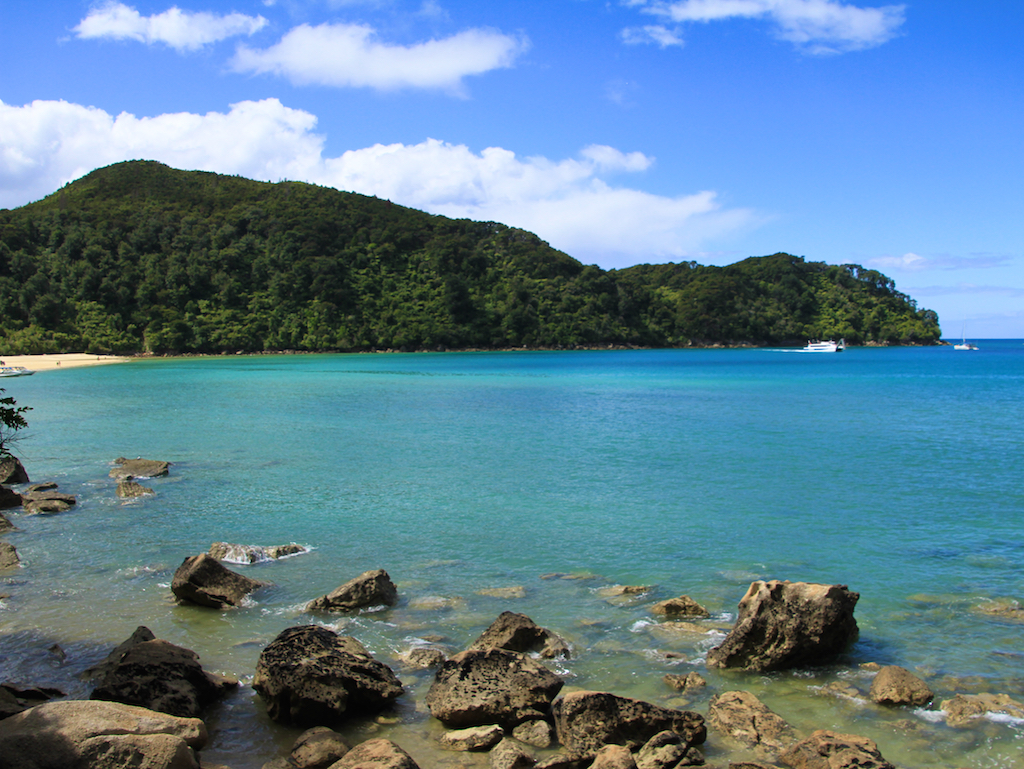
x=350 y=55
x=911 y=262
x=570 y=203
x=819 y=26
x=182 y=30
x=651 y=33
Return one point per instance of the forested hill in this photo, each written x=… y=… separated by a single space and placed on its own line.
x=141 y=257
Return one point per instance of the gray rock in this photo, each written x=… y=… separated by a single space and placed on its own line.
x=311 y=676
x=493 y=686
x=518 y=633
x=139 y=468
x=202 y=580
x=786 y=624
x=826 y=749
x=371 y=588
x=894 y=685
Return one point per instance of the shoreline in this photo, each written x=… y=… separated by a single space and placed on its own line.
x=53 y=361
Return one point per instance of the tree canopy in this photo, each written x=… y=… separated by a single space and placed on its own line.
x=141 y=257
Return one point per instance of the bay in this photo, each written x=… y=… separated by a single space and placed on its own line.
x=892 y=470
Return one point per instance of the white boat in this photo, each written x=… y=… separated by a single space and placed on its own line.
x=964 y=344
x=829 y=346
x=15 y=371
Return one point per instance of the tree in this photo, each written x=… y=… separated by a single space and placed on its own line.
x=11 y=420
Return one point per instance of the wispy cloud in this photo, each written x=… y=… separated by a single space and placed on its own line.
x=652 y=33
x=571 y=202
x=352 y=56
x=817 y=26
x=181 y=30
x=911 y=262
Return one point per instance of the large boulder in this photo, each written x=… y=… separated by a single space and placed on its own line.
x=786 y=624
x=201 y=579
x=491 y=686
x=371 y=588
x=9 y=498
x=12 y=471
x=376 y=754
x=518 y=633
x=894 y=685
x=139 y=635
x=161 y=676
x=73 y=734
x=831 y=750
x=139 y=468
x=745 y=719
x=586 y=721
x=311 y=676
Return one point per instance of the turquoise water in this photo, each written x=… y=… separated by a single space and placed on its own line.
x=895 y=471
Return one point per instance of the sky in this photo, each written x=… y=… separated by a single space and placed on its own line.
x=620 y=131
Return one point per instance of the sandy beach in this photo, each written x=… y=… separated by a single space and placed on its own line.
x=59 y=361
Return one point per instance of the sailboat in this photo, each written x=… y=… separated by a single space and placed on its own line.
x=964 y=344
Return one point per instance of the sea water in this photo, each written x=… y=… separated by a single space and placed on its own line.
x=895 y=471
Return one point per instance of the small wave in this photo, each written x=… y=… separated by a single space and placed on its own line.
x=931 y=716
x=640 y=625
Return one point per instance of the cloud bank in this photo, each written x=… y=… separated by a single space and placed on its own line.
x=817 y=26
x=181 y=30
x=570 y=203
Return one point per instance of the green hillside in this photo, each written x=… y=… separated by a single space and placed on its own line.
x=141 y=257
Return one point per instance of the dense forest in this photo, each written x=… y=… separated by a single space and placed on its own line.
x=141 y=257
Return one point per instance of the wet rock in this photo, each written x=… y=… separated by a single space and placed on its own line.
x=371 y=588
x=47 y=503
x=15 y=699
x=683 y=606
x=139 y=468
x=202 y=580
x=376 y=754
x=786 y=624
x=225 y=551
x=423 y=658
x=492 y=686
x=130 y=488
x=539 y=734
x=8 y=556
x=5 y=524
x=614 y=757
x=894 y=685
x=473 y=738
x=585 y=721
x=47 y=486
x=317 y=748
x=964 y=708
x=161 y=676
x=518 y=633
x=311 y=676
x=74 y=734
x=140 y=634
x=692 y=680
x=12 y=471
x=623 y=591
x=508 y=755
x=749 y=722
x=831 y=750
x=9 y=499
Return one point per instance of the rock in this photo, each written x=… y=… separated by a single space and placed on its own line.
x=99 y=670
x=666 y=750
x=9 y=498
x=692 y=680
x=202 y=580
x=311 y=676
x=48 y=486
x=139 y=468
x=538 y=733
x=161 y=676
x=613 y=757
x=224 y=551
x=5 y=524
x=518 y=633
x=8 y=556
x=683 y=606
x=493 y=686
x=49 y=496
x=46 y=506
x=317 y=748
x=894 y=685
x=620 y=591
x=964 y=708
x=508 y=755
x=423 y=658
x=12 y=471
x=786 y=624
x=15 y=699
x=748 y=721
x=376 y=754
x=371 y=588
x=831 y=750
x=473 y=738
x=585 y=721
x=516 y=591
x=75 y=734
x=130 y=488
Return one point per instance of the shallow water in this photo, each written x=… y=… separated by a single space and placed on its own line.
x=895 y=471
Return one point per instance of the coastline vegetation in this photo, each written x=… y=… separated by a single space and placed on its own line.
x=140 y=257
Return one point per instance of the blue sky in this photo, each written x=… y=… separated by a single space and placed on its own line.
x=620 y=131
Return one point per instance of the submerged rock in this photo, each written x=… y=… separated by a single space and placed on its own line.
x=831 y=750
x=787 y=624
x=964 y=708
x=139 y=468
x=202 y=580
x=748 y=721
x=130 y=488
x=518 y=633
x=371 y=588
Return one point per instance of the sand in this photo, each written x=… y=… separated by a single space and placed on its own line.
x=59 y=361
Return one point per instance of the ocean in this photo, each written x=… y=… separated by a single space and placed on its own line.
x=895 y=471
